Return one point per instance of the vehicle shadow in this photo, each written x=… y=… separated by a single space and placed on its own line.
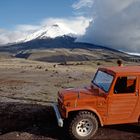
x=118 y=132
x=31 y=118
x=132 y=128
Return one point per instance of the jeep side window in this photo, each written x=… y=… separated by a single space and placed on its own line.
x=125 y=85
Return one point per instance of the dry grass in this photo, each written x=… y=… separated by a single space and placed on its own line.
x=26 y=79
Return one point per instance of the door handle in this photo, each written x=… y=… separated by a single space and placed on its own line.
x=137 y=92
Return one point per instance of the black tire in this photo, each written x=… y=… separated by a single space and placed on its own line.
x=83 y=126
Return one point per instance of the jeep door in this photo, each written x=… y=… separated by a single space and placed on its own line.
x=123 y=100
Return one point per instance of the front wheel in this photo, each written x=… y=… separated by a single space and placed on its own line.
x=83 y=126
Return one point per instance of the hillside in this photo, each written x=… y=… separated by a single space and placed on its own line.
x=61 y=49
x=57 y=43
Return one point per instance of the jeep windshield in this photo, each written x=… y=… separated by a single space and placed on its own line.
x=103 y=80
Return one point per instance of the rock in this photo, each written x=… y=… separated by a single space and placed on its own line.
x=54 y=65
x=17 y=134
x=39 y=67
x=0 y=132
x=70 y=77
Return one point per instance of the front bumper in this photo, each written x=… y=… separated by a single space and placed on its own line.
x=58 y=116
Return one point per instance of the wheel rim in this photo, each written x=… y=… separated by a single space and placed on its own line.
x=84 y=127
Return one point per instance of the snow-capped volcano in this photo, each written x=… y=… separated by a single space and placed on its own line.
x=52 y=31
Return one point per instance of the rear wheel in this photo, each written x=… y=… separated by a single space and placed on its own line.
x=83 y=126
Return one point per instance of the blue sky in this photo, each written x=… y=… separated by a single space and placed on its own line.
x=14 y=12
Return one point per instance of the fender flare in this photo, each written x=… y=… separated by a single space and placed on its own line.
x=86 y=109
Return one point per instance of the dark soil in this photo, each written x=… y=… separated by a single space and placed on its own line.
x=21 y=121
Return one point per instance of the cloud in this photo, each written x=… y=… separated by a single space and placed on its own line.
x=82 y=3
x=77 y=24
x=27 y=28
x=116 y=24
x=10 y=36
x=17 y=34
x=83 y=8
x=20 y=32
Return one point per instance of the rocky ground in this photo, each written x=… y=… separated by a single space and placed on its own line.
x=28 y=87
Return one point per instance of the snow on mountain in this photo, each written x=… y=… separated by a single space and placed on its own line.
x=52 y=31
x=135 y=54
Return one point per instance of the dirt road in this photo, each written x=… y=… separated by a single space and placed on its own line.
x=22 y=121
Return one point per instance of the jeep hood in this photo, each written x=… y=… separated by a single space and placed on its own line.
x=73 y=93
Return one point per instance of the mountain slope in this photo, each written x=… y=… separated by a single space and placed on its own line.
x=56 y=43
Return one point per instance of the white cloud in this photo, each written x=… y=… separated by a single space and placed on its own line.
x=76 y=24
x=116 y=24
x=82 y=3
x=27 y=28
x=10 y=36
x=17 y=34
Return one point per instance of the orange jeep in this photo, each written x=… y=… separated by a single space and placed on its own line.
x=112 y=98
